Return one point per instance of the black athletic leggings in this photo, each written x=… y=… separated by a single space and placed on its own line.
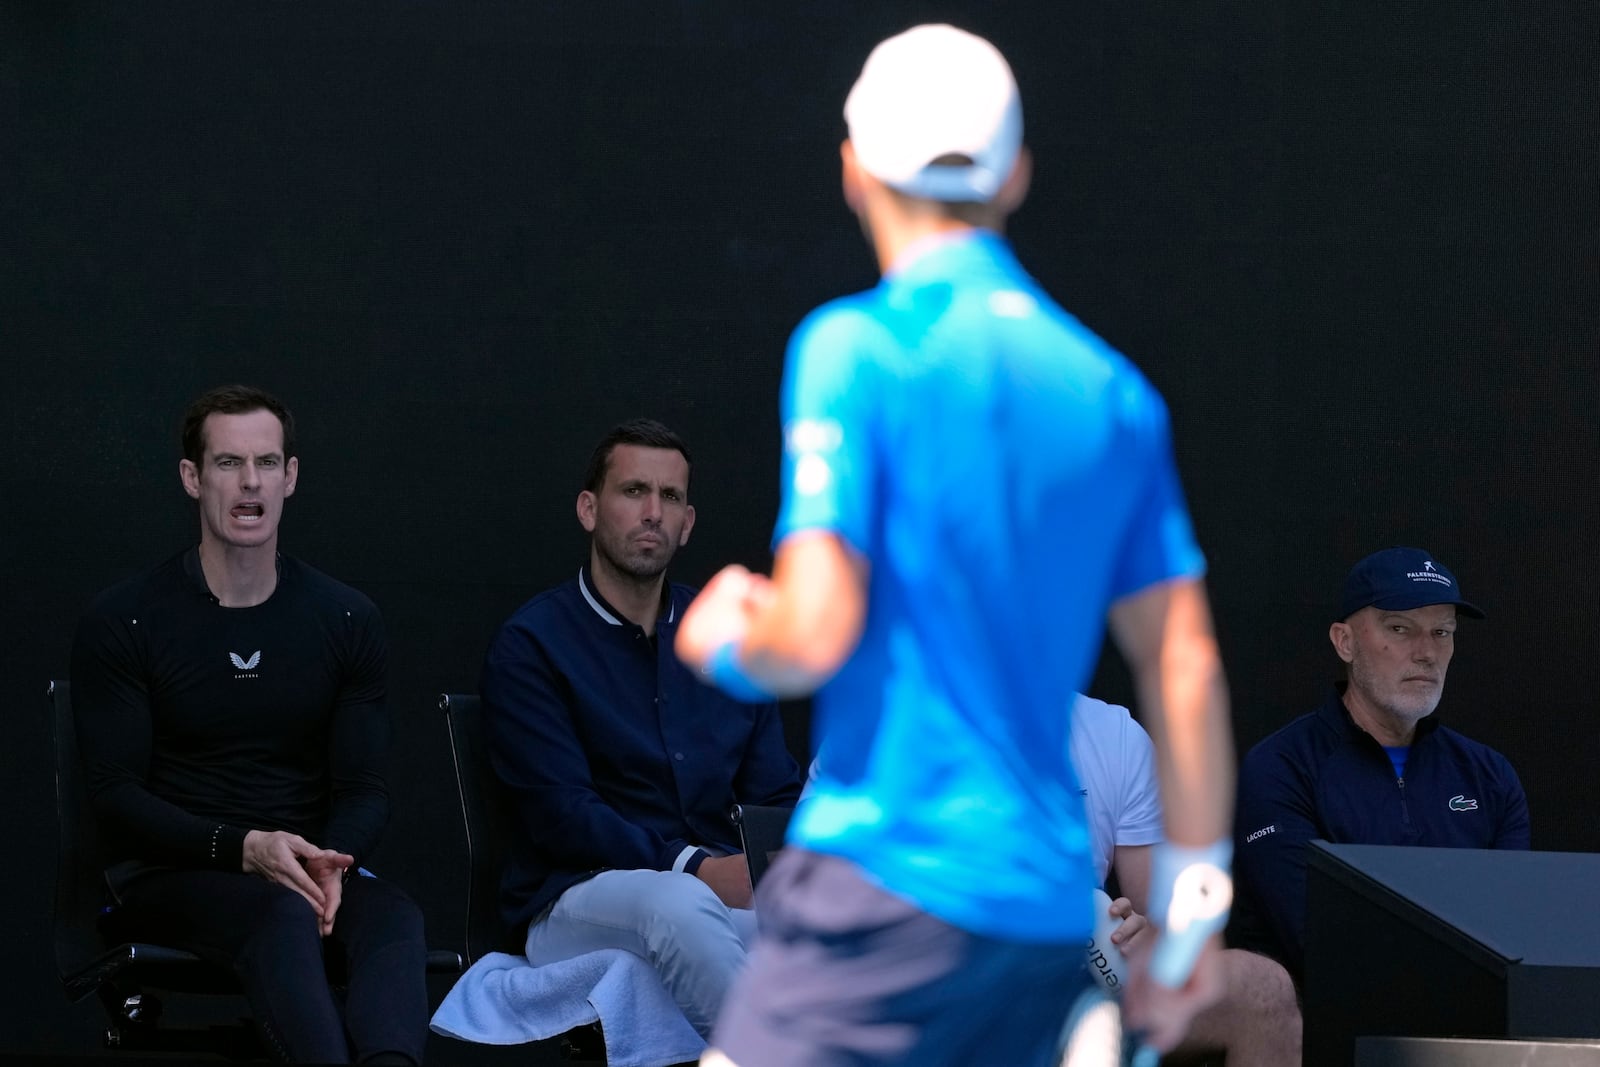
x=268 y=936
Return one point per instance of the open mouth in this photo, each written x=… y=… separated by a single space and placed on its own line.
x=247 y=512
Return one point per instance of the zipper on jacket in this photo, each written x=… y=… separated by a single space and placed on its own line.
x=1405 y=812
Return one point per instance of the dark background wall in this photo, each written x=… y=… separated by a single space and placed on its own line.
x=1357 y=244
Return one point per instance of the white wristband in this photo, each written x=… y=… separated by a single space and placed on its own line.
x=1190 y=894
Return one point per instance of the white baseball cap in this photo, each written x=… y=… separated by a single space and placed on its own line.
x=934 y=91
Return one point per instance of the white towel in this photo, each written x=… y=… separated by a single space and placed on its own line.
x=505 y=1000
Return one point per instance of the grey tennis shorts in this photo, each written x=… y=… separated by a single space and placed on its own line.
x=846 y=973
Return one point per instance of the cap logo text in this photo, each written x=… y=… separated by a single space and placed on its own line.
x=1428 y=573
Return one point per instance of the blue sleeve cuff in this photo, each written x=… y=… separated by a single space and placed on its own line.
x=725 y=673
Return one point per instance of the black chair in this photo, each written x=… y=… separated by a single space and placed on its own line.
x=484 y=820
x=123 y=976
x=762 y=831
x=487 y=823
x=127 y=977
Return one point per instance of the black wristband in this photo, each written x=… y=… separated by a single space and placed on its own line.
x=699 y=857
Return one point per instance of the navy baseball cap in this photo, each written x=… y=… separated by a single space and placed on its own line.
x=1399 y=579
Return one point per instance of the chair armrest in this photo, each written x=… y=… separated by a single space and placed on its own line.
x=109 y=964
x=444 y=961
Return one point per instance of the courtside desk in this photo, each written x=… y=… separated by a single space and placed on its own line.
x=1442 y=942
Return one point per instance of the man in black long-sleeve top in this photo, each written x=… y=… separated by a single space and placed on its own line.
x=621 y=765
x=230 y=711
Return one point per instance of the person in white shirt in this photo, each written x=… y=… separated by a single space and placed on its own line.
x=1258 y=1020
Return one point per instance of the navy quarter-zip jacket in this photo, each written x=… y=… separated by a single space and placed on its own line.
x=1322 y=776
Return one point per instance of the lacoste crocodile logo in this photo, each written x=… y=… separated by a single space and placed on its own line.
x=1461 y=803
x=255 y=658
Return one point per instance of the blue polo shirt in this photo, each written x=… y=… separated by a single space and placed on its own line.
x=1007 y=475
x=612 y=753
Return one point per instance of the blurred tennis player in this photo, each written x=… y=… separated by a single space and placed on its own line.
x=972 y=480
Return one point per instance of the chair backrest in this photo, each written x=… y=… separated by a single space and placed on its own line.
x=486 y=819
x=80 y=879
x=761 y=833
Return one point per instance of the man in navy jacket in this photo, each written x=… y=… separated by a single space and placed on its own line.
x=1372 y=765
x=621 y=767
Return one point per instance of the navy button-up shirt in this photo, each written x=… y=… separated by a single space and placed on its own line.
x=613 y=754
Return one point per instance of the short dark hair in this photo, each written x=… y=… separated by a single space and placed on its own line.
x=231 y=400
x=647 y=433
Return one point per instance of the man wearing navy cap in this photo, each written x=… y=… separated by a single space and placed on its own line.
x=1372 y=765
